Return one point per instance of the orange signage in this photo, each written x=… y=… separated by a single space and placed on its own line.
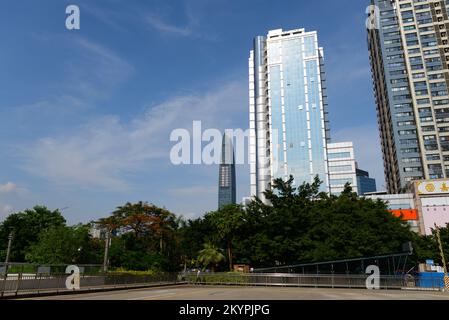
x=406 y=214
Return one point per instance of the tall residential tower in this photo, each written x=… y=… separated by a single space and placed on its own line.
x=226 y=176
x=288 y=110
x=409 y=55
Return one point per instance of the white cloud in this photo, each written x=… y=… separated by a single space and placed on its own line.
x=99 y=71
x=102 y=152
x=193 y=190
x=367 y=149
x=164 y=27
x=5 y=210
x=191 y=28
x=8 y=187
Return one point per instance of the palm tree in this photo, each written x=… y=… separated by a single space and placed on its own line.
x=210 y=255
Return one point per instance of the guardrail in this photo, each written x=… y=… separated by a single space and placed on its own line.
x=46 y=269
x=312 y=280
x=13 y=285
x=20 y=284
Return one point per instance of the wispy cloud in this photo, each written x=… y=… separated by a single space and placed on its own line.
x=163 y=24
x=106 y=15
x=98 y=72
x=164 y=27
x=8 y=187
x=104 y=151
x=5 y=210
x=193 y=190
x=94 y=74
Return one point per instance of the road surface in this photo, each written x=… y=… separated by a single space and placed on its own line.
x=253 y=293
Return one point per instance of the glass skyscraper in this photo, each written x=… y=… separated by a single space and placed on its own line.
x=226 y=179
x=409 y=53
x=288 y=110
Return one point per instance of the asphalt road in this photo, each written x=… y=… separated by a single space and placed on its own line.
x=253 y=293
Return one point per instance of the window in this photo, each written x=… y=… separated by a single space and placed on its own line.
x=406 y=123
x=402 y=105
x=338 y=155
x=427 y=128
x=404 y=114
x=411 y=160
x=430 y=52
x=409 y=150
x=409 y=141
x=341 y=182
x=412 y=169
x=399 y=89
x=440 y=102
x=423 y=101
x=407 y=132
x=340 y=168
x=432 y=157
x=419 y=75
x=436 y=76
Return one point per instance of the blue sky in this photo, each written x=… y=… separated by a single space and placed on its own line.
x=85 y=115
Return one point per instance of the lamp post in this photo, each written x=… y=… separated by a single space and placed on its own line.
x=106 y=250
x=440 y=245
x=8 y=251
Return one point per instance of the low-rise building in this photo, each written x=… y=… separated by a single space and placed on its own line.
x=432 y=201
x=342 y=166
x=365 y=184
x=424 y=207
x=401 y=205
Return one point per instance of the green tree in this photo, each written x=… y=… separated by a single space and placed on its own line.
x=27 y=226
x=210 y=256
x=426 y=247
x=303 y=224
x=64 y=245
x=148 y=237
x=228 y=222
x=193 y=234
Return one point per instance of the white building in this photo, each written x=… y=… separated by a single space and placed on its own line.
x=288 y=110
x=342 y=166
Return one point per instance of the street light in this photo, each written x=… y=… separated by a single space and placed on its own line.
x=8 y=251
x=440 y=245
x=107 y=243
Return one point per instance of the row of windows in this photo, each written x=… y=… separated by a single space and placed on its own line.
x=412 y=169
x=337 y=182
x=339 y=155
x=409 y=141
x=411 y=160
x=340 y=168
x=407 y=132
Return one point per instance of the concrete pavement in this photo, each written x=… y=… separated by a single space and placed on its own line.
x=253 y=293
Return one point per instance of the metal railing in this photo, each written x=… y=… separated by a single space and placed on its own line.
x=30 y=268
x=19 y=284
x=312 y=280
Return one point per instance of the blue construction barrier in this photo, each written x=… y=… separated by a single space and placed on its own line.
x=431 y=280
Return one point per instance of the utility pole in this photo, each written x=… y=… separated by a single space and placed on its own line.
x=8 y=251
x=106 y=250
x=440 y=245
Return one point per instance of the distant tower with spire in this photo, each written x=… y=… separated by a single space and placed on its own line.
x=226 y=175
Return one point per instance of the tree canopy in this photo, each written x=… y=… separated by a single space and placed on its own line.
x=297 y=224
x=26 y=227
